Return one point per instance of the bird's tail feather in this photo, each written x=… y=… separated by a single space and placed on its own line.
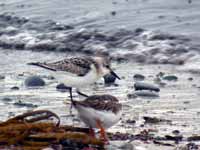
x=41 y=65
x=34 y=63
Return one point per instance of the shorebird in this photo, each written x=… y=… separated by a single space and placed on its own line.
x=99 y=111
x=78 y=72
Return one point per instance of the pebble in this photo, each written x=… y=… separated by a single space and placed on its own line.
x=129 y=121
x=155 y=120
x=109 y=79
x=190 y=79
x=174 y=138
x=194 y=138
x=61 y=87
x=6 y=99
x=21 y=104
x=131 y=96
x=2 y=77
x=170 y=78
x=146 y=86
x=139 y=77
x=176 y=132
x=14 y=88
x=160 y=74
x=192 y=146
x=34 y=81
x=113 y=13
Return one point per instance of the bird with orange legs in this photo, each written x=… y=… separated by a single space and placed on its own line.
x=99 y=111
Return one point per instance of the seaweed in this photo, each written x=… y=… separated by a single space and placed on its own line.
x=34 y=131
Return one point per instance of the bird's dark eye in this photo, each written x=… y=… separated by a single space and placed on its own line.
x=107 y=66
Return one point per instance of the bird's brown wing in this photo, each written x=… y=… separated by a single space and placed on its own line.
x=102 y=102
x=78 y=66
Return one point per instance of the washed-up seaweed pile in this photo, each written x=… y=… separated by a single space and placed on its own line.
x=37 y=130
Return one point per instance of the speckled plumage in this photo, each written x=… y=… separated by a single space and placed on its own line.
x=79 y=66
x=102 y=102
x=103 y=108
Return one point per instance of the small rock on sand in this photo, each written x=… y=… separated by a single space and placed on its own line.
x=108 y=79
x=146 y=86
x=170 y=78
x=62 y=88
x=34 y=81
x=139 y=77
x=2 y=77
x=14 y=88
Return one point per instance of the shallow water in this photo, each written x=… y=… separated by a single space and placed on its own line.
x=174 y=16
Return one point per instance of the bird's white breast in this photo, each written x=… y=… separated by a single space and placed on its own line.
x=89 y=116
x=72 y=80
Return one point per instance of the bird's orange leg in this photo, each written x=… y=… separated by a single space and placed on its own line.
x=91 y=133
x=102 y=131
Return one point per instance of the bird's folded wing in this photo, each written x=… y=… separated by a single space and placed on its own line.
x=104 y=103
x=78 y=66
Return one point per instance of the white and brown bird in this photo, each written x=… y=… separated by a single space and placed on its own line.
x=99 y=111
x=78 y=72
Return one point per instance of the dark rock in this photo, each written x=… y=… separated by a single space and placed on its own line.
x=139 y=77
x=21 y=104
x=130 y=96
x=13 y=20
x=176 y=132
x=194 y=138
x=190 y=79
x=109 y=78
x=50 y=78
x=138 y=31
x=34 y=81
x=61 y=27
x=162 y=143
x=62 y=88
x=160 y=74
x=186 y=102
x=163 y=36
x=161 y=17
x=6 y=99
x=189 y=1
x=174 y=138
x=21 y=74
x=120 y=136
x=113 y=13
x=19 y=46
x=14 y=88
x=146 y=86
x=154 y=120
x=146 y=93
x=2 y=77
x=129 y=121
x=170 y=78
x=191 y=146
x=2 y=5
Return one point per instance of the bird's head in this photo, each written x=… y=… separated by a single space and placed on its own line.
x=103 y=67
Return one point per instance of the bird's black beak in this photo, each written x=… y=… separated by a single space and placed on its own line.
x=114 y=74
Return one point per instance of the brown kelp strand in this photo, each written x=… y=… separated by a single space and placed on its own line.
x=34 y=131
